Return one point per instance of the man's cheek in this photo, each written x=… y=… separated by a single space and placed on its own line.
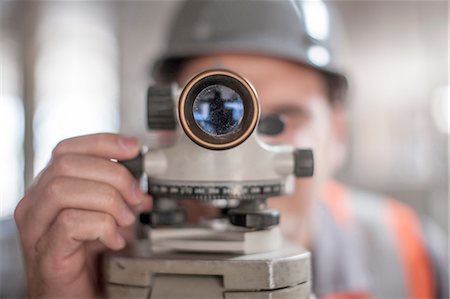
x=310 y=137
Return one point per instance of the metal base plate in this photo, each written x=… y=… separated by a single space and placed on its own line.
x=206 y=240
x=137 y=272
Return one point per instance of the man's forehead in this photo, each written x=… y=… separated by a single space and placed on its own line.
x=267 y=74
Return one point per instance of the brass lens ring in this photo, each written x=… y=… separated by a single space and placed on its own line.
x=236 y=83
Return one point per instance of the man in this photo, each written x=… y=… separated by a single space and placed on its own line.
x=362 y=245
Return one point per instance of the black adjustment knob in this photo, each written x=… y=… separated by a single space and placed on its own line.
x=271 y=125
x=304 y=163
x=254 y=219
x=175 y=217
x=145 y=218
x=135 y=166
x=160 y=108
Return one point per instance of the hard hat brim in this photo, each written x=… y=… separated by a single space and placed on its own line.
x=166 y=68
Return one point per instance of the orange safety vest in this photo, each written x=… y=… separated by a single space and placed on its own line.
x=349 y=211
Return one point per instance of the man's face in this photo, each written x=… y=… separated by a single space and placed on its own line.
x=299 y=95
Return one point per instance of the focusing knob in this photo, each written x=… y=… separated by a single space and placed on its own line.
x=160 y=108
x=176 y=217
x=304 y=163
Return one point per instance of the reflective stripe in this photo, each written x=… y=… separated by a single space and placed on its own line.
x=411 y=250
x=347 y=296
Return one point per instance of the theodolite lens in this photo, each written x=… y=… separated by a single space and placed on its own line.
x=218 y=109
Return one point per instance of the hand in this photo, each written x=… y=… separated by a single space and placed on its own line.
x=81 y=204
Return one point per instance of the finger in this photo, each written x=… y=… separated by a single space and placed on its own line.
x=67 y=192
x=146 y=205
x=105 y=145
x=71 y=229
x=100 y=170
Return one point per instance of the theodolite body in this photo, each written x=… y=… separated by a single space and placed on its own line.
x=216 y=155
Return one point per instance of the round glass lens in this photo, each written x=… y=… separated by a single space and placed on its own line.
x=218 y=110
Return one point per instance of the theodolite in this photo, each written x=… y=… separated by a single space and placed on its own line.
x=217 y=157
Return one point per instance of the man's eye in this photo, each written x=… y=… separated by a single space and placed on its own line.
x=283 y=120
x=296 y=118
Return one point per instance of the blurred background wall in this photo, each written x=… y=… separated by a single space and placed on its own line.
x=71 y=68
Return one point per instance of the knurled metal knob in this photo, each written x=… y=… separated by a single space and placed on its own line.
x=175 y=217
x=160 y=108
x=304 y=163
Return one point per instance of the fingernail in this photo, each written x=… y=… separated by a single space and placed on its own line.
x=127 y=216
x=128 y=142
x=136 y=191
x=120 y=241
